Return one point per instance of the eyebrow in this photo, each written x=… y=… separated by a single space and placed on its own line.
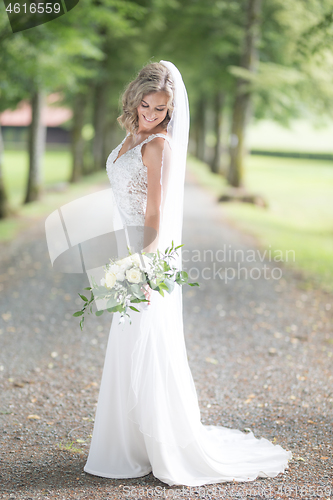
x=158 y=106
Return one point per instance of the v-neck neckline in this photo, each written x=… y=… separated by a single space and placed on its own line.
x=131 y=149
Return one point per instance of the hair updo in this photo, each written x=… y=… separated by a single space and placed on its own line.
x=154 y=77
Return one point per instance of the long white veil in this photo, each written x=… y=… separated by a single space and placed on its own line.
x=173 y=174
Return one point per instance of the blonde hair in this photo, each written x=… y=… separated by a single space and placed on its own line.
x=154 y=77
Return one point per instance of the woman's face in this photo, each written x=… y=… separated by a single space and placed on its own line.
x=152 y=110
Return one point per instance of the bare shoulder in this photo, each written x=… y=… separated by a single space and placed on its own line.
x=153 y=150
x=157 y=143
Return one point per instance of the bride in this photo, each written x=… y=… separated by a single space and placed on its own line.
x=148 y=417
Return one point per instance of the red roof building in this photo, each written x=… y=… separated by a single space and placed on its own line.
x=53 y=117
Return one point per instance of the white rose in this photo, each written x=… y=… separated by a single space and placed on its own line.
x=120 y=274
x=113 y=268
x=110 y=279
x=134 y=275
x=119 y=271
x=125 y=262
x=136 y=259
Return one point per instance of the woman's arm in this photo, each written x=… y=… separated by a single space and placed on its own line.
x=155 y=151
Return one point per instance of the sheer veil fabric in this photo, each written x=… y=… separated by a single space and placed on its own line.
x=148 y=417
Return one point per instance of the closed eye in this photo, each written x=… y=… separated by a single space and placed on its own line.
x=147 y=106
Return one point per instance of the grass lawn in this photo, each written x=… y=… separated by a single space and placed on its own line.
x=56 y=169
x=302 y=136
x=300 y=212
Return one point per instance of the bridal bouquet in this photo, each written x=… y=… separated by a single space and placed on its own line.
x=125 y=279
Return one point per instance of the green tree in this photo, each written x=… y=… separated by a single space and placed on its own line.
x=241 y=107
x=204 y=39
x=11 y=80
x=4 y=207
x=118 y=28
x=45 y=58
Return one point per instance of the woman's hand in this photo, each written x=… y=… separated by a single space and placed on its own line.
x=147 y=291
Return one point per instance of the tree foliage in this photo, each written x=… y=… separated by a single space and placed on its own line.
x=92 y=52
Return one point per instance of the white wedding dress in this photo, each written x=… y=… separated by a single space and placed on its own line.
x=148 y=417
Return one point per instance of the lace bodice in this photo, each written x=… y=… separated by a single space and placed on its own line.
x=128 y=178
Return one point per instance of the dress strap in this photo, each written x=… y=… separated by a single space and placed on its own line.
x=124 y=139
x=149 y=138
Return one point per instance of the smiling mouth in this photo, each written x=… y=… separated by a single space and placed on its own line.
x=149 y=121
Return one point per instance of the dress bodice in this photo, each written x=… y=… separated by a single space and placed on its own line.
x=128 y=178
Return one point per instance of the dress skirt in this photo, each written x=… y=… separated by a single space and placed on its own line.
x=148 y=417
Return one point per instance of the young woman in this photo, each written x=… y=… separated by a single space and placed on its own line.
x=148 y=417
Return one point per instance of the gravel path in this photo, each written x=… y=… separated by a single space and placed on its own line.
x=260 y=349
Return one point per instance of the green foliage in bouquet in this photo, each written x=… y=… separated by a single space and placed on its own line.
x=125 y=280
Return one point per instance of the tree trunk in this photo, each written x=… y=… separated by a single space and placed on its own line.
x=241 y=109
x=219 y=102
x=4 y=209
x=87 y=167
x=99 y=125
x=37 y=137
x=80 y=102
x=109 y=133
x=200 y=128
